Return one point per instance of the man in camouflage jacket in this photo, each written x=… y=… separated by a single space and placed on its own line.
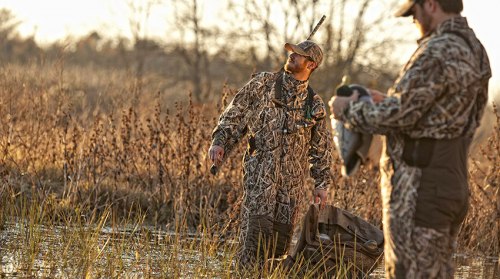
x=287 y=134
x=429 y=118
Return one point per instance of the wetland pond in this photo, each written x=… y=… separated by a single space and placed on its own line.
x=139 y=252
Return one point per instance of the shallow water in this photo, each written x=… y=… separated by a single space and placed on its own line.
x=466 y=268
x=62 y=252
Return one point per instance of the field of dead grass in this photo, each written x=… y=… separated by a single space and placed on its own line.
x=81 y=144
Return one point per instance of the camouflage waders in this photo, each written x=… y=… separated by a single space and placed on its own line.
x=284 y=143
x=429 y=119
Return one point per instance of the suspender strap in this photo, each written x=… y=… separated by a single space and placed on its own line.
x=309 y=103
x=278 y=87
x=278 y=94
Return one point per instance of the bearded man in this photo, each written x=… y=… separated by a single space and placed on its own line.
x=285 y=122
x=429 y=118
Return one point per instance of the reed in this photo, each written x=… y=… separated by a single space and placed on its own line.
x=99 y=245
x=79 y=162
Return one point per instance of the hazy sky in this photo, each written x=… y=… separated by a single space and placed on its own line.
x=51 y=20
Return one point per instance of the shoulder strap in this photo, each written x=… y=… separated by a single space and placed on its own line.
x=278 y=93
x=278 y=86
x=309 y=103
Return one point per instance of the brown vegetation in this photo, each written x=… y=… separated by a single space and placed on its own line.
x=147 y=157
x=104 y=132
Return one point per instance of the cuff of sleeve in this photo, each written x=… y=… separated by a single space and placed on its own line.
x=345 y=112
x=322 y=186
x=349 y=114
x=218 y=142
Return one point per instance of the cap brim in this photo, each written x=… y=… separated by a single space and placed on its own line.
x=405 y=10
x=296 y=49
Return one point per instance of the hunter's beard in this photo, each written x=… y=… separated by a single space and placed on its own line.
x=425 y=25
x=293 y=67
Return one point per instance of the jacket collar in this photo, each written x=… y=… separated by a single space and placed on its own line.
x=295 y=87
x=452 y=24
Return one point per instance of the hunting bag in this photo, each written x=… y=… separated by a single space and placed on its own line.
x=333 y=238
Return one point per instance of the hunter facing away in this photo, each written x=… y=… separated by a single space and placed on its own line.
x=285 y=122
x=429 y=118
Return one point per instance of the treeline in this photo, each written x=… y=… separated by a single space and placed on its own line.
x=205 y=56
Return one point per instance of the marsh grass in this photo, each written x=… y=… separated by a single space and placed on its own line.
x=96 y=246
x=81 y=159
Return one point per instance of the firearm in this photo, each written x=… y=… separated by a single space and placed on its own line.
x=316 y=27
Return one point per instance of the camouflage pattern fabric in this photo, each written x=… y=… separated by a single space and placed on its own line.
x=283 y=145
x=441 y=94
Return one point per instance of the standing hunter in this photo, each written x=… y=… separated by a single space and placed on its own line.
x=285 y=122
x=429 y=118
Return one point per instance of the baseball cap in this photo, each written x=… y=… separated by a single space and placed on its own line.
x=405 y=8
x=307 y=48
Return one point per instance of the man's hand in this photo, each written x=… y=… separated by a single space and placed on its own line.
x=216 y=153
x=320 y=196
x=376 y=95
x=339 y=104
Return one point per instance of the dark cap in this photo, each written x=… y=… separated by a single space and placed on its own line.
x=405 y=8
x=307 y=48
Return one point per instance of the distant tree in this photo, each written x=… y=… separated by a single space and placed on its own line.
x=355 y=42
x=8 y=25
x=86 y=48
x=13 y=48
x=139 y=15
x=357 y=45
x=193 y=45
x=89 y=42
x=25 y=50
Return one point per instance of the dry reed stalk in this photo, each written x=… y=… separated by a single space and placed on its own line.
x=57 y=141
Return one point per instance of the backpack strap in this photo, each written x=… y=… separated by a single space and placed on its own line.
x=309 y=103
x=278 y=94
x=278 y=88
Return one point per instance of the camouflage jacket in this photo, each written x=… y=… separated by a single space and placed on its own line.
x=440 y=93
x=281 y=135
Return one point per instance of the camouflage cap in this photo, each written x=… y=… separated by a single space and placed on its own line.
x=405 y=8
x=307 y=48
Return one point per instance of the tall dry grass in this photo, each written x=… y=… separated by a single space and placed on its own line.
x=83 y=143
x=481 y=230
x=37 y=242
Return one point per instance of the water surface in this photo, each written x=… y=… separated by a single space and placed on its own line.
x=70 y=252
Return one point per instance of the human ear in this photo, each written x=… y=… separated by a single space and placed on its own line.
x=311 y=65
x=432 y=5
